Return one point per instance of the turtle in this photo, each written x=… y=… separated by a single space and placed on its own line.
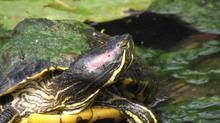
x=42 y=87
x=134 y=75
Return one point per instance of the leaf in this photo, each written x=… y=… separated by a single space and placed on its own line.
x=189 y=77
x=14 y=11
x=197 y=65
x=202 y=14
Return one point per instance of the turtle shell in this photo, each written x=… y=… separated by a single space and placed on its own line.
x=39 y=44
x=59 y=42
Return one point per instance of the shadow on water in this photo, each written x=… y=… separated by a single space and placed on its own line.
x=149 y=29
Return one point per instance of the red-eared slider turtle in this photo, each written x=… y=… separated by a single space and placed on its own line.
x=42 y=87
x=132 y=84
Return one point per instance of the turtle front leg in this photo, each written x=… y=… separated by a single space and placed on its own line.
x=8 y=115
x=133 y=112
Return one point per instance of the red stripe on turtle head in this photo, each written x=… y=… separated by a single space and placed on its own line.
x=100 y=60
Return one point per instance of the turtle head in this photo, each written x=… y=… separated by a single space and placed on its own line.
x=104 y=63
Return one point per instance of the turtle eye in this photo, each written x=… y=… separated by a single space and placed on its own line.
x=124 y=45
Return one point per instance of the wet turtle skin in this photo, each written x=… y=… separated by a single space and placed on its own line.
x=128 y=86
